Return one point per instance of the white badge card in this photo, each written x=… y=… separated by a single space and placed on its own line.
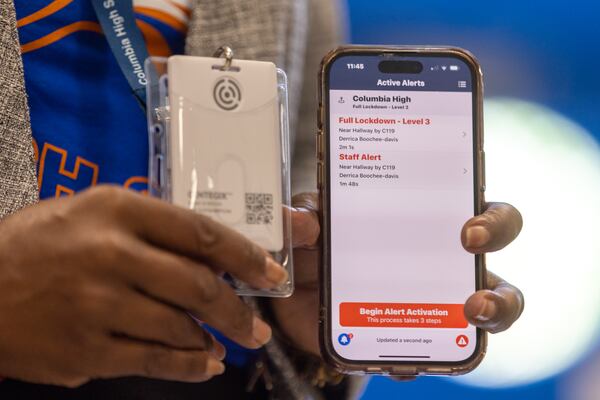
x=226 y=146
x=218 y=135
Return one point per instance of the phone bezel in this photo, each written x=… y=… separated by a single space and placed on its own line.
x=328 y=351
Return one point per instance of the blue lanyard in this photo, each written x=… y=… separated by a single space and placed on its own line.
x=126 y=42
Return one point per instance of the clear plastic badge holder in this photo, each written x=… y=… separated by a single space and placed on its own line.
x=253 y=211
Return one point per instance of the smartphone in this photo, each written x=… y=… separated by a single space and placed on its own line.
x=400 y=171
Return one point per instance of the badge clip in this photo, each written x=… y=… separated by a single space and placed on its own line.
x=227 y=53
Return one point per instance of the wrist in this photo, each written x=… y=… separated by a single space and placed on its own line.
x=303 y=353
x=284 y=315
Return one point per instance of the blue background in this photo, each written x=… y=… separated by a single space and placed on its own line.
x=543 y=51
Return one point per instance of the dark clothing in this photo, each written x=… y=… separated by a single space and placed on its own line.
x=230 y=385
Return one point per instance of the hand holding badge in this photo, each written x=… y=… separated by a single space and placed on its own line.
x=219 y=145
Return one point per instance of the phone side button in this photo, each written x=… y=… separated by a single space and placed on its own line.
x=319 y=145
x=320 y=116
x=322 y=314
x=319 y=175
x=482 y=158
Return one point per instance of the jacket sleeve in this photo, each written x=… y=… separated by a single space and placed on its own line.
x=18 y=183
x=287 y=373
x=326 y=30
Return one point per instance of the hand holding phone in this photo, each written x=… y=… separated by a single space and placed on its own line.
x=401 y=168
x=493 y=309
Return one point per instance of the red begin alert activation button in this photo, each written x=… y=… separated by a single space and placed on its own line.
x=402 y=315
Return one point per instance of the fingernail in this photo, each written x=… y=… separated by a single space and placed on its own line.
x=487 y=311
x=214 y=367
x=218 y=350
x=275 y=273
x=476 y=237
x=261 y=332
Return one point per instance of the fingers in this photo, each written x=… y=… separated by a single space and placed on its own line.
x=129 y=357
x=305 y=228
x=152 y=321
x=497 y=308
x=199 y=237
x=499 y=225
x=305 y=221
x=191 y=286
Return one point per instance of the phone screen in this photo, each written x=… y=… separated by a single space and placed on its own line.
x=401 y=183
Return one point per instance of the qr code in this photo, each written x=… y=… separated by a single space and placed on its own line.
x=259 y=208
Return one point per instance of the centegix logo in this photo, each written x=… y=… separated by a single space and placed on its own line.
x=401 y=83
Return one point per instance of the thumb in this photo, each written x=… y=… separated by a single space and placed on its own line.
x=305 y=221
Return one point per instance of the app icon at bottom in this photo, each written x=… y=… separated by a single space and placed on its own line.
x=344 y=339
x=462 y=341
